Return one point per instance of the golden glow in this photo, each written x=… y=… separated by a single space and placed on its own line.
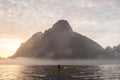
x=10 y=72
x=8 y=47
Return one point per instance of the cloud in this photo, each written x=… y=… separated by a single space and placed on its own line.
x=33 y=10
x=91 y=17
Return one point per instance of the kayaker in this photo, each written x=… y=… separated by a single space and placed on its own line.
x=58 y=66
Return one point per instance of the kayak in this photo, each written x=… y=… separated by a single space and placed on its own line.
x=63 y=68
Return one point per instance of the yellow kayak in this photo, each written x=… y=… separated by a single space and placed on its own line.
x=64 y=68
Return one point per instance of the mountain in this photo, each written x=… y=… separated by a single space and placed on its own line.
x=28 y=48
x=59 y=42
x=112 y=53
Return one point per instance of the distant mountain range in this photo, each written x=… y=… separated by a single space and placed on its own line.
x=112 y=53
x=61 y=42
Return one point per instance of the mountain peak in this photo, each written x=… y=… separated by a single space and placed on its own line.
x=59 y=42
x=62 y=25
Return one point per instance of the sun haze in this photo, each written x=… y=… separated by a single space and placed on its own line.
x=8 y=47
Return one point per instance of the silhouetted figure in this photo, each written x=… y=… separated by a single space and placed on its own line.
x=58 y=77
x=58 y=66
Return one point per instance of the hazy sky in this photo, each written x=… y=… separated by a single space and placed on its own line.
x=20 y=19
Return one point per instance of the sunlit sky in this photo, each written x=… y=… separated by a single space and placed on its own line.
x=20 y=19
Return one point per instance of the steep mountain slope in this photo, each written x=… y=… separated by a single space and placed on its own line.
x=59 y=42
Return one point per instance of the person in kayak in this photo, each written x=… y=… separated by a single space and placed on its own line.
x=58 y=66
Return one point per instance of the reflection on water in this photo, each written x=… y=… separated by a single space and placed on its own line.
x=8 y=72
x=20 y=72
x=110 y=72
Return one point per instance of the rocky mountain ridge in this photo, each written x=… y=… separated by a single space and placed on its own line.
x=60 y=42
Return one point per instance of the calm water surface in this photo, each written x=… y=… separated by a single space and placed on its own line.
x=36 y=72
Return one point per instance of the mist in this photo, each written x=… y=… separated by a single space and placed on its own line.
x=35 y=61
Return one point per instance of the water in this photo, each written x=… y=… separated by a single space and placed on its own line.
x=36 y=72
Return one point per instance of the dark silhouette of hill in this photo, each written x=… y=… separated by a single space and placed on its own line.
x=59 y=42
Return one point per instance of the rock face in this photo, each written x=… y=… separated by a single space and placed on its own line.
x=59 y=42
x=28 y=48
